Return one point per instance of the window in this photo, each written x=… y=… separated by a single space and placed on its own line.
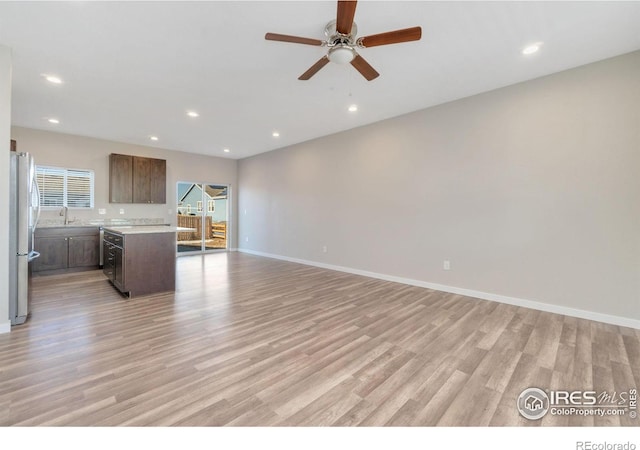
x=211 y=206
x=65 y=187
x=199 y=205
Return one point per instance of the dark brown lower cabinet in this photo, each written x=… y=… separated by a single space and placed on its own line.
x=140 y=263
x=113 y=264
x=84 y=251
x=66 y=249
x=53 y=253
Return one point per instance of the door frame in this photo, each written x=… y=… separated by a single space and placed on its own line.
x=203 y=249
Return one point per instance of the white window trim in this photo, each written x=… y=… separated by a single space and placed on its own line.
x=65 y=172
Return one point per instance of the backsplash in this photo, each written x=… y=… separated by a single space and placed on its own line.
x=48 y=223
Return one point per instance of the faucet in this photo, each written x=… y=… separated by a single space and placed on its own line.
x=65 y=212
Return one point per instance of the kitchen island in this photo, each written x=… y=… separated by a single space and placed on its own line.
x=141 y=260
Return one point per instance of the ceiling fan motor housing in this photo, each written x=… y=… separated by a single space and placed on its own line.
x=341 y=46
x=331 y=32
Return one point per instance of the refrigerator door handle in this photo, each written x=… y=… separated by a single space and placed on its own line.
x=35 y=183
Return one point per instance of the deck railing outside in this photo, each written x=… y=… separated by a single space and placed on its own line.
x=213 y=230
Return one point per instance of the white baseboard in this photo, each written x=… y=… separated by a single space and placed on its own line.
x=5 y=327
x=548 y=307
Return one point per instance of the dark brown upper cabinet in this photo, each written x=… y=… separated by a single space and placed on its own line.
x=135 y=179
x=149 y=180
x=120 y=178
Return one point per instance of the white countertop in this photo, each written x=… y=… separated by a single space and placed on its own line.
x=146 y=229
x=59 y=222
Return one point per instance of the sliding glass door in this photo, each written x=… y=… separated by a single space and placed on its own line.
x=204 y=208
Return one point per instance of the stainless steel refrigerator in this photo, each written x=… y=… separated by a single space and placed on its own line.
x=23 y=216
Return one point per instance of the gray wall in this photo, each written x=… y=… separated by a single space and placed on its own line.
x=5 y=124
x=531 y=191
x=64 y=150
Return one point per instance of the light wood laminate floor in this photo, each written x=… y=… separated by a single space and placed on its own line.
x=247 y=340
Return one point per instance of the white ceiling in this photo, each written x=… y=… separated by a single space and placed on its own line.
x=133 y=69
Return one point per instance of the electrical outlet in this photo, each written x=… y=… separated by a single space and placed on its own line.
x=102 y=211
x=324 y=249
x=121 y=210
x=446 y=264
x=246 y=239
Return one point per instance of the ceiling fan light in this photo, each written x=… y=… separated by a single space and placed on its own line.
x=341 y=54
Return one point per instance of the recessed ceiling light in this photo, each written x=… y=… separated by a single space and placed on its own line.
x=226 y=150
x=192 y=114
x=530 y=49
x=52 y=120
x=353 y=108
x=53 y=79
x=275 y=134
x=153 y=138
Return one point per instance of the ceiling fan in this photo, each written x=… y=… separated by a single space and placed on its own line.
x=342 y=42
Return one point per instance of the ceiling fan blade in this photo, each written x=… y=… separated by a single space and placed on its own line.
x=364 y=68
x=346 y=13
x=315 y=68
x=293 y=39
x=391 y=37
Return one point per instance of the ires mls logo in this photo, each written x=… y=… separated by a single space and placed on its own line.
x=574 y=398
x=534 y=403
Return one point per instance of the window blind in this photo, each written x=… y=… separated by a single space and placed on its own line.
x=65 y=187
